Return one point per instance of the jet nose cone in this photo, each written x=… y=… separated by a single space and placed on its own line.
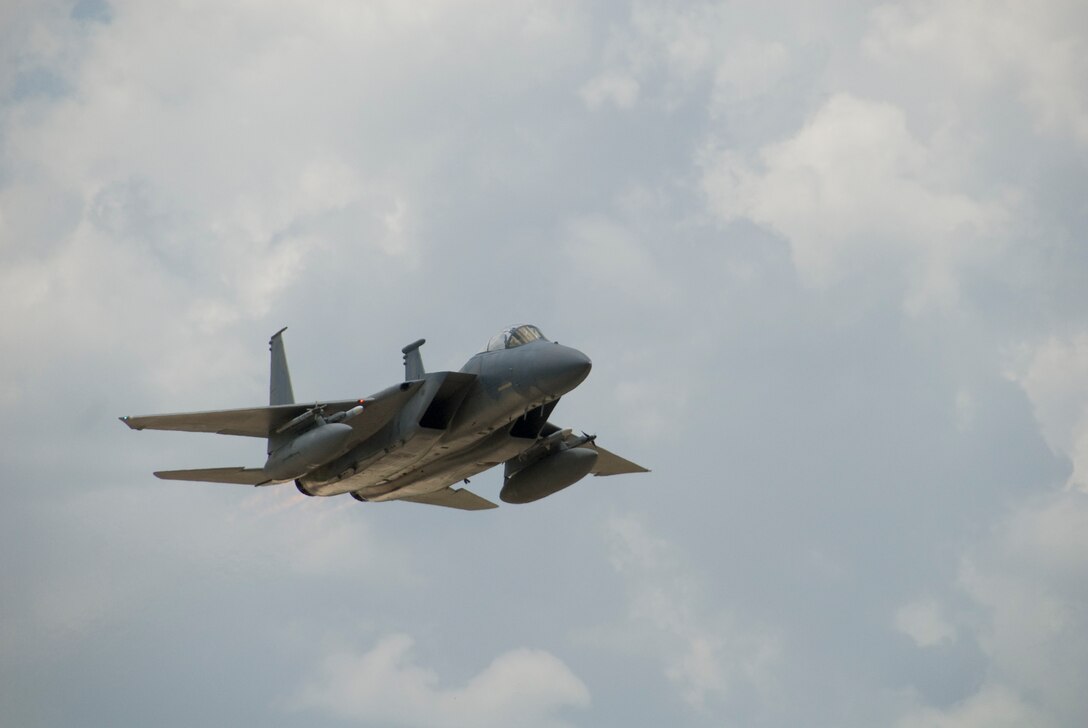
x=580 y=365
x=564 y=370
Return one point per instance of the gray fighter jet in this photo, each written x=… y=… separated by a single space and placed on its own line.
x=415 y=440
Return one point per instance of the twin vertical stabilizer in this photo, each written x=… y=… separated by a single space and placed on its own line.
x=279 y=386
x=413 y=361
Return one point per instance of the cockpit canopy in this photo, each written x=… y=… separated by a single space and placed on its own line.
x=514 y=336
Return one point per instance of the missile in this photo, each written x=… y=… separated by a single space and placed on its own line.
x=315 y=413
x=346 y=414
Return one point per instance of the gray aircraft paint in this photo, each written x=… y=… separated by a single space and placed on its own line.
x=415 y=440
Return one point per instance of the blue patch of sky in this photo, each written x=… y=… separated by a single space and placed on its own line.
x=38 y=81
x=92 y=11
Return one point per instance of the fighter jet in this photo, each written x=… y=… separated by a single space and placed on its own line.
x=417 y=439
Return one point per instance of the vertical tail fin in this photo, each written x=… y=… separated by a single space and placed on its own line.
x=279 y=385
x=413 y=361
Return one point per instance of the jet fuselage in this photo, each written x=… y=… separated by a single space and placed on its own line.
x=456 y=427
x=414 y=440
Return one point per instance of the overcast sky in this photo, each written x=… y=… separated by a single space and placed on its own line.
x=828 y=259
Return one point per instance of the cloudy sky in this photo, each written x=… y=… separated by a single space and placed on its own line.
x=828 y=258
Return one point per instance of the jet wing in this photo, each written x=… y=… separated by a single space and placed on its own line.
x=460 y=498
x=263 y=421
x=608 y=463
x=241 y=476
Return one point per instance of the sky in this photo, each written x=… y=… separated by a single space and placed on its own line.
x=824 y=256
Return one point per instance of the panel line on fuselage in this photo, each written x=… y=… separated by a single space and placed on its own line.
x=476 y=412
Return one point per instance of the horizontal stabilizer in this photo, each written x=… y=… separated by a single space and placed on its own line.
x=460 y=498
x=609 y=463
x=240 y=476
x=264 y=421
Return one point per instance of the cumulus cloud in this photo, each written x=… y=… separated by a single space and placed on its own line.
x=856 y=193
x=1054 y=375
x=748 y=69
x=706 y=653
x=619 y=90
x=177 y=181
x=986 y=45
x=924 y=623
x=384 y=686
x=113 y=572
x=1026 y=586
x=990 y=707
x=664 y=53
x=206 y=168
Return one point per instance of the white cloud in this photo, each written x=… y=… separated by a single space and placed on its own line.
x=666 y=51
x=990 y=707
x=707 y=653
x=1033 y=581
x=681 y=39
x=1028 y=590
x=856 y=194
x=1055 y=377
x=203 y=169
x=617 y=89
x=115 y=571
x=924 y=623
x=749 y=69
x=1040 y=48
x=175 y=179
x=385 y=686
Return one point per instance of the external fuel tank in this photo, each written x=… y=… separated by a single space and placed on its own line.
x=548 y=475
